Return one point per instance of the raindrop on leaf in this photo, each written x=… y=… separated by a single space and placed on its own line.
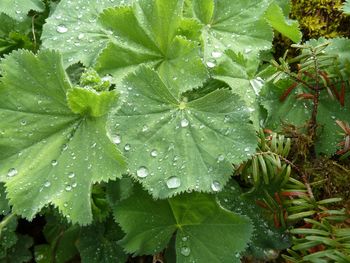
x=12 y=172
x=173 y=182
x=185 y=251
x=62 y=29
x=216 y=186
x=142 y=172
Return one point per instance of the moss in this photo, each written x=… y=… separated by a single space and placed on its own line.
x=321 y=18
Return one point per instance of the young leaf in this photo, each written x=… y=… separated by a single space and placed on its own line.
x=175 y=146
x=49 y=155
x=236 y=25
x=204 y=231
x=19 y=9
x=75 y=23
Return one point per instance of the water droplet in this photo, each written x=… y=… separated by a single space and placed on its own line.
x=247 y=149
x=117 y=139
x=65 y=204
x=81 y=36
x=210 y=64
x=142 y=172
x=12 y=172
x=23 y=122
x=47 y=184
x=127 y=147
x=61 y=29
x=71 y=175
x=184 y=123
x=216 y=54
x=184 y=239
x=248 y=50
x=154 y=153
x=68 y=188
x=54 y=162
x=216 y=186
x=186 y=251
x=173 y=182
x=144 y=128
x=221 y=158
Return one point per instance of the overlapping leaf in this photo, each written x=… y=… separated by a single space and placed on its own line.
x=174 y=145
x=240 y=74
x=152 y=40
x=18 y=9
x=74 y=30
x=49 y=155
x=204 y=231
x=236 y=25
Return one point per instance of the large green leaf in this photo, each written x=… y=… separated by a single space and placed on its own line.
x=49 y=155
x=236 y=25
x=18 y=9
x=99 y=243
x=74 y=30
x=174 y=145
x=204 y=231
x=152 y=42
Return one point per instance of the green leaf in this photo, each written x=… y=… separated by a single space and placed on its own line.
x=8 y=237
x=99 y=243
x=174 y=145
x=18 y=9
x=75 y=31
x=152 y=42
x=49 y=154
x=90 y=102
x=266 y=237
x=298 y=112
x=236 y=25
x=20 y=252
x=287 y=27
x=4 y=206
x=204 y=231
x=346 y=7
x=240 y=74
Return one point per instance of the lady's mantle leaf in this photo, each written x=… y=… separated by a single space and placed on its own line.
x=346 y=7
x=236 y=25
x=152 y=42
x=74 y=30
x=175 y=146
x=48 y=153
x=18 y=9
x=204 y=231
x=277 y=20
